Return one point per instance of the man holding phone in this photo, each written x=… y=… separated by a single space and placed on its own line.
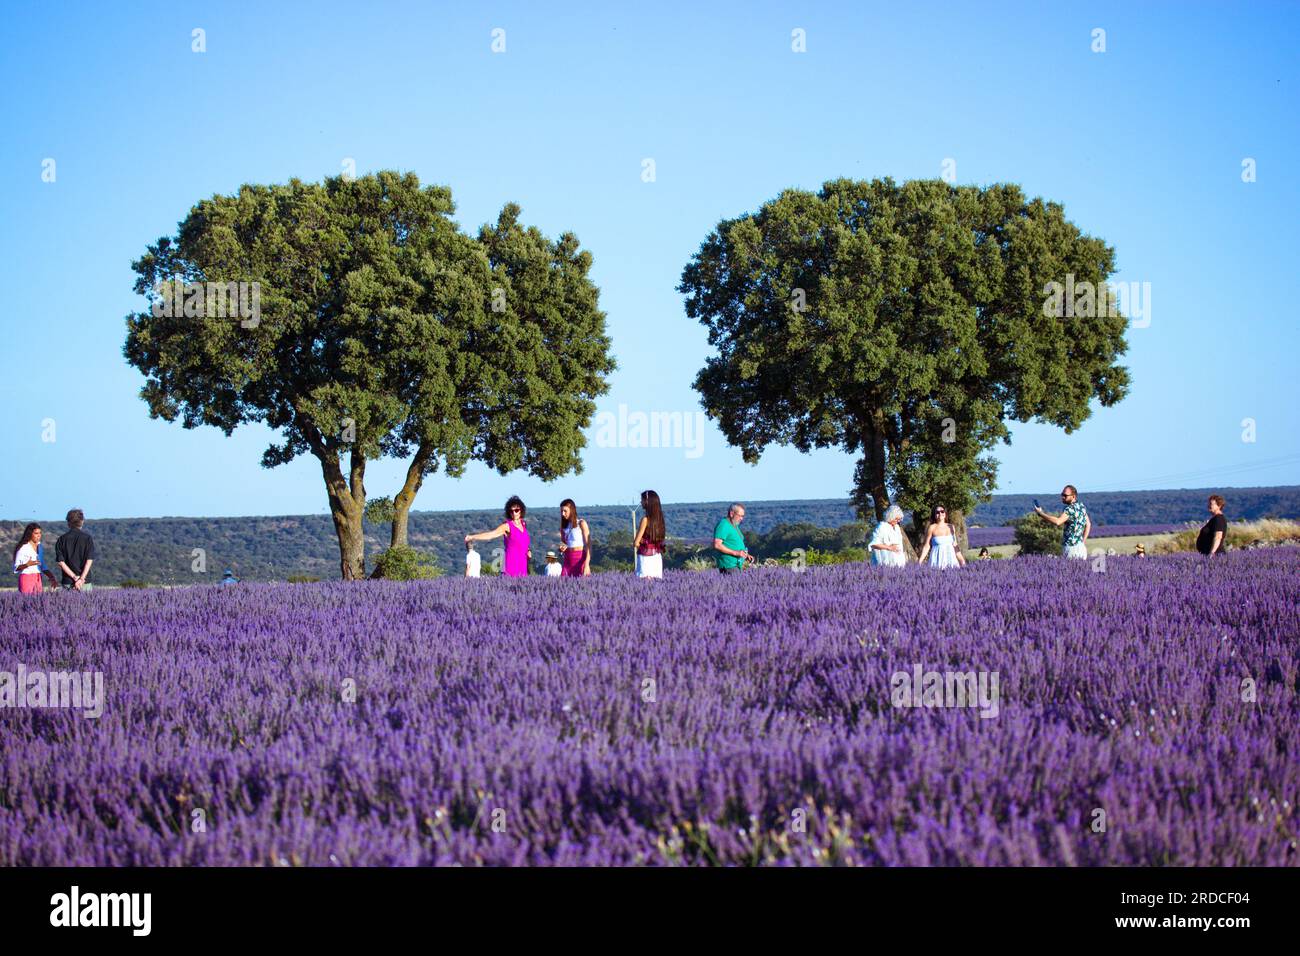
x=1074 y=522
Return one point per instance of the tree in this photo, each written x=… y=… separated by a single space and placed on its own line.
x=377 y=333
x=1036 y=536
x=904 y=323
x=526 y=375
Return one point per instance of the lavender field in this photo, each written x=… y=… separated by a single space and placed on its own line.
x=697 y=720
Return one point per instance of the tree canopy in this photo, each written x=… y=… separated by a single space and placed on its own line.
x=382 y=330
x=906 y=323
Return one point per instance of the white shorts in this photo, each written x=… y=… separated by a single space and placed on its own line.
x=649 y=565
x=1079 y=550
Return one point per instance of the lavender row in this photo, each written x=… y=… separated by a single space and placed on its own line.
x=1145 y=715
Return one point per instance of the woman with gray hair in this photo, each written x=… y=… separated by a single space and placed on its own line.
x=886 y=544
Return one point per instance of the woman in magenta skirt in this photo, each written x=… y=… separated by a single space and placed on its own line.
x=515 y=531
x=575 y=541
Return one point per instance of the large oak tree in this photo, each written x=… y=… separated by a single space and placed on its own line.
x=383 y=330
x=905 y=323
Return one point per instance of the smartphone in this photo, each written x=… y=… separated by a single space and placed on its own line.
x=1036 y=504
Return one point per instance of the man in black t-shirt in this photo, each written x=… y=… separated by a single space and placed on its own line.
x=75 y=552
x=1214 y=534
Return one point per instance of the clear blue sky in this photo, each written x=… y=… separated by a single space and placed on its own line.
x=1143 y=145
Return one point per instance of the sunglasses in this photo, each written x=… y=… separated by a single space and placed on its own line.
x=940 y=511
x=514 y=511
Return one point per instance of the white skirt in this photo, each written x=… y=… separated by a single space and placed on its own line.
x=649 y=565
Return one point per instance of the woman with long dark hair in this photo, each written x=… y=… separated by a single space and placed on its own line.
x=650 y=536
x=27 y=560
x=515 y=530
x=575 y=542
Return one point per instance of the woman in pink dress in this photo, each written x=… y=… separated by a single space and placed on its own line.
x=515 y=531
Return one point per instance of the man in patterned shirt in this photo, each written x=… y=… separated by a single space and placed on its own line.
x=1074 y=521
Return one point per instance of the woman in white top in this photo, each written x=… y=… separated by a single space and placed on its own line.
x=27 y=561
x=575 y=542
x=886 y=544
x=941 y=542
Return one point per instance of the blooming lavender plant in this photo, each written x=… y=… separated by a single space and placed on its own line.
x=704 y=720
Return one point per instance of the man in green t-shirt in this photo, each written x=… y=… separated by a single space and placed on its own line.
x=729 y=543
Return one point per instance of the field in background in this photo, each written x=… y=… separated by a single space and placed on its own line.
x=165 y=550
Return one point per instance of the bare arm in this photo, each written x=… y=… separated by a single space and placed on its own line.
x=640 y=532
x=496 y=532
x=586 y=547
x=1218 y=540
x=1057 y=520
x=925 y=549
x=719 y=546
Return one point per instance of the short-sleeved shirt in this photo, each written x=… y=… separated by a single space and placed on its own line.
x=26 y=553
x=74 y=548
x=1076 y=520
x=554 y=569
x=1205 y=538
x=472 y=564
x=730 y=535
x=886 y=533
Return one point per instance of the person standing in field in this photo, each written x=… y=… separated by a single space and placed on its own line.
x=886 y=545
x=27 y=560
x=650 y=535
x=1074 y=523
x=75 y=553
x=729 y=543
x=473 y=562
x=515 y=530
x=1214 y=533
x=575 y=542
x=941 y=542
x=553 y=567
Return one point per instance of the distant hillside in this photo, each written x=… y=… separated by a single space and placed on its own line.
x=162 y=550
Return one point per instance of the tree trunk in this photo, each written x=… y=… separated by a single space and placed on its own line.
x=403 y=500
x=957 y=519
x=875 y=445
x=347 y=506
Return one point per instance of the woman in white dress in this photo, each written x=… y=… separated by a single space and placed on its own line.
x=941 y=542
x=886 y=545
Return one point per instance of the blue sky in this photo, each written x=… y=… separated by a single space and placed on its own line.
x=1143 y=144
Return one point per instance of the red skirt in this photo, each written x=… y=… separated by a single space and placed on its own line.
x=573 y=563
x=29 y=584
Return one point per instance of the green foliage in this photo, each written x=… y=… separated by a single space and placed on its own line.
x=383 y=330
x=133 y=583
x=699 y=563
x=380 y=510
x=402 y=563
x=784 y=538
x=814 y=556
x=902 y=322
x=301 y=579
x=1036 y=536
